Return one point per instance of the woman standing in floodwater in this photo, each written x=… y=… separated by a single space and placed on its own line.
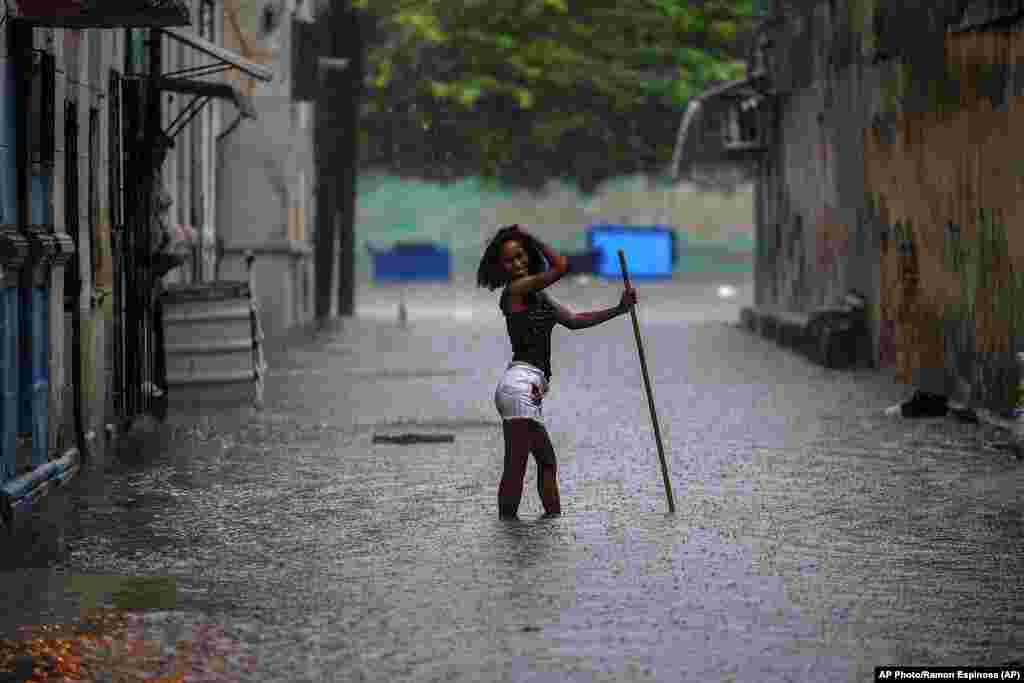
x=514 y=259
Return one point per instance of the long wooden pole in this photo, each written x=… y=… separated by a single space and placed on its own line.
x=650 y=396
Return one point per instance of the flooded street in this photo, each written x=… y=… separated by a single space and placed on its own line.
x=814 y=538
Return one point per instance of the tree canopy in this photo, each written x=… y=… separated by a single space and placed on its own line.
x=523 y=91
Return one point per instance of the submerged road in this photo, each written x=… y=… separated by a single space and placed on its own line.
x=814 y=538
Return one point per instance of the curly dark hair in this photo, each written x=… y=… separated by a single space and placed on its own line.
x=490 y=274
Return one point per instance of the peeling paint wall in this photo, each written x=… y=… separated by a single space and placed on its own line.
x=898 y=172
x=950 y=184
x=814 y=227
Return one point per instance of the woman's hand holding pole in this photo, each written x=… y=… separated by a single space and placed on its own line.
x=628 y=300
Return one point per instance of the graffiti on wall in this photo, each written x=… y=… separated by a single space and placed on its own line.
x=833 y=239
x=952 y=286
x=824 y=152
x=887 y=343
x=104 y=254
x=887 y=318
x=990 y=286
x=793 y=278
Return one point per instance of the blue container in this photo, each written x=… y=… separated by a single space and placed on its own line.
x=650 y=251
x=411 y=262
x=584 y=261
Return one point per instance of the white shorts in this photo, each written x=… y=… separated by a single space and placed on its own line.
x=513 y=396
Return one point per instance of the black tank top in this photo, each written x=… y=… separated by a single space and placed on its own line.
x=530 y=330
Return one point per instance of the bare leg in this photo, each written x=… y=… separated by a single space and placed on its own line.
x=517 y=453
x=547 y=469
x=547 y=482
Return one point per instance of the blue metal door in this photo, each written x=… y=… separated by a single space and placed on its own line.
x=8 y=381
x=9 y=328
x=38 y=125
x=35 y=370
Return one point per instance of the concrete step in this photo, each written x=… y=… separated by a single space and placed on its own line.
x=832 y=337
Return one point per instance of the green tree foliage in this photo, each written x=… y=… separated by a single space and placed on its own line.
x=523 y=91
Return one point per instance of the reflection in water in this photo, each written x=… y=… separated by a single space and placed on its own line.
x=525 y=543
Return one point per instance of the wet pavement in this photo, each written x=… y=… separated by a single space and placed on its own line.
x=814 y=539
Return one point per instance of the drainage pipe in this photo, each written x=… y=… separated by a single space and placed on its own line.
x=684 y=129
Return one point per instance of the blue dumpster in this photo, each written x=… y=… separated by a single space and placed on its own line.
x=407 y=261
x=584 y=261
x=650 y=251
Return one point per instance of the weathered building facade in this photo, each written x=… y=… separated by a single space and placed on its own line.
x=107 y=191
x=887 y=163
x=266 y=167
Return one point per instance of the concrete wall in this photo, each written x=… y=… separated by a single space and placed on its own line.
x=817 y=237
x=895 y=172
x=266 y=173
x=84 y=60
x=8 y=136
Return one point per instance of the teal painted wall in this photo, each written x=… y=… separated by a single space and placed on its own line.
x=715 y=230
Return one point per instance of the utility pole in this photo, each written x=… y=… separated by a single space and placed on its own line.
x=351 y=38
x=340 y=68
x=323 y=150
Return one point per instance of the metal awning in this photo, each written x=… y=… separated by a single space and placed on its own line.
x=203 y=91
x=226 y=59
x=101 y=13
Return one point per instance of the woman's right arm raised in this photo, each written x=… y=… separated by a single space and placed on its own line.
x=558 y=266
